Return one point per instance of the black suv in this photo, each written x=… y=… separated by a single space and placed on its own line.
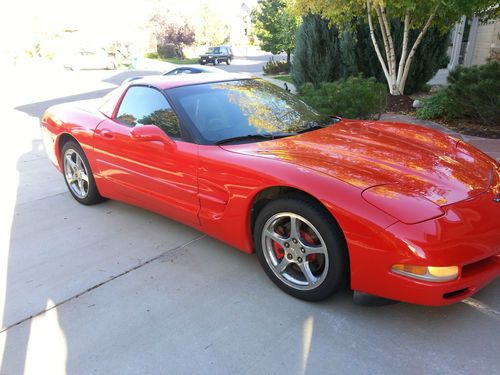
x=216 y=55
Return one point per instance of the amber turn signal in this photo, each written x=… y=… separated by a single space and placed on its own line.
x=428 y=273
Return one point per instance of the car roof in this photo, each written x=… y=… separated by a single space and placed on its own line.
x=197 y=67
x=168 y=82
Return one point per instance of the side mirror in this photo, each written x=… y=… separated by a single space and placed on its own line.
x=150 y=133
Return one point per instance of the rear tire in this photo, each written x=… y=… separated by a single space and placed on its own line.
x=228 y=61
x=301 y=248
x=78 y=174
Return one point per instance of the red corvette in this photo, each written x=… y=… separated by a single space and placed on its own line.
x=393 y=210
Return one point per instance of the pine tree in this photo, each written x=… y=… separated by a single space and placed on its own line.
x=317 y=54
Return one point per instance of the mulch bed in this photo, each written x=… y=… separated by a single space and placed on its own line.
x=399 y=104
x=404 y=104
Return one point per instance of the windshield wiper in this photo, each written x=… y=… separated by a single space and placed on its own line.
x=263 y=136
x=312 y=126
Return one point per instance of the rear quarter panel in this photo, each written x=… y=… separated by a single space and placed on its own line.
x=70 y=119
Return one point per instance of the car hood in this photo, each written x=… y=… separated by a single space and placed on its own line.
x=412 y=160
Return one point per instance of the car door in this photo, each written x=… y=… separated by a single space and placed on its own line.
x=150 y=173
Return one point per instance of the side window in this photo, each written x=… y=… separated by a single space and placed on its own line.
x=146 y=106
x=109 y=102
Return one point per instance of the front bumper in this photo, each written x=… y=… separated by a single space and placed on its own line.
x=467 y=235
x=206 y=60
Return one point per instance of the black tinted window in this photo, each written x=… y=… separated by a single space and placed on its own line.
x=147 y=106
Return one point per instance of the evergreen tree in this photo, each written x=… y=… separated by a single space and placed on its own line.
x=349 y=67
x=317 y=54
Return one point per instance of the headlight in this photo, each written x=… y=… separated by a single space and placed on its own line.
x=427 y=273
x=409 y=209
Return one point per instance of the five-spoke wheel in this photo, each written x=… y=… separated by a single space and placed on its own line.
x=301 y=248
x=78 y=174
x=295 y=250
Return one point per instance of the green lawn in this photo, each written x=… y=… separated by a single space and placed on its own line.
x=285 y=78
x=172 y=60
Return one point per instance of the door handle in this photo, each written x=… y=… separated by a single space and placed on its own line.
x=107 y=134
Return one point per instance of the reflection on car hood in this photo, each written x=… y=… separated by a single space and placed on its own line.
x=418 y=161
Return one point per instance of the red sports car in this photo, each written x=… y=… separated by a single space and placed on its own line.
x=389 y=209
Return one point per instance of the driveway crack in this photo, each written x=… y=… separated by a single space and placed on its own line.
x=94 y=287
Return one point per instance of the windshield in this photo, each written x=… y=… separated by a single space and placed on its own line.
x=242 y=108
x=213 y=50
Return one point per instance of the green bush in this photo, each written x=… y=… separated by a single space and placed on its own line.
x=473 y=93
x=354 y=97
x=152 y=55
x=435 y=107
x=276 y=67
x=167 y=50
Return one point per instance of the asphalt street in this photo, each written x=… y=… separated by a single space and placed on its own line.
x=114 y=289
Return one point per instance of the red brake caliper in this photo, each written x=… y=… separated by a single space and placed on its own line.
x=310 y=241
x=278 y=250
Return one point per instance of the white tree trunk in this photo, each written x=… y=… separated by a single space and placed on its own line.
x=395 y=75
x=391 y=57
x=374 y=41
x=407 y=65
x=404 y=51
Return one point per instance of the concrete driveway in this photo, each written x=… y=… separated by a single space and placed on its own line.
x=114 y=289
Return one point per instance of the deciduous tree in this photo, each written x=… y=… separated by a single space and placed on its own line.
x=275 y=26
x=174 y=31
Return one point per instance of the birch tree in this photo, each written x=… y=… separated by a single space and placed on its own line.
x=415 y=14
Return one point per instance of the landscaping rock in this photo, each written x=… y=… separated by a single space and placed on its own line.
x=417 y=104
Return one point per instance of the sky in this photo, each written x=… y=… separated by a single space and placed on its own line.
x=24 y=21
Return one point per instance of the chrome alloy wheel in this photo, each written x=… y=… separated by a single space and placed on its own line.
x=75 y=173
x=295 y=251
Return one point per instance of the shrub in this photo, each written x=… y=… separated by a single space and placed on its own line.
x=354 y=97
x=474 y=93
x=167 y=50
x=435 y=107
x=276 y=67
x=152 y=55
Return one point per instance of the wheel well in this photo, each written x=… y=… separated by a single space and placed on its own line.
x=276 y=192
x=63 y=138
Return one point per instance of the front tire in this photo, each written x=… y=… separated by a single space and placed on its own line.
x=78 y=174
x=228 y=61
x=301 y=248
